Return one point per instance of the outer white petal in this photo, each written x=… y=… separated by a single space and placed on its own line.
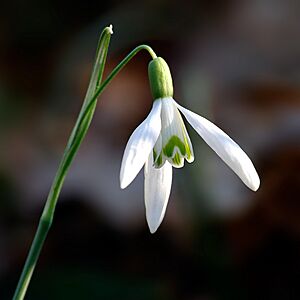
x=225 y=147
x=140 y=144
x=158 y=184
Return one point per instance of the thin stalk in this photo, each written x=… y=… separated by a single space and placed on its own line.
x=112 y=75
x=78 y=133
x=69 y=153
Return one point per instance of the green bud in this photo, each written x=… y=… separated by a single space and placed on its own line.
x=160 y=78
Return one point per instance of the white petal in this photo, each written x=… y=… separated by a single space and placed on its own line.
x=158 y=184
x=175 y=140
x=225 y=147
x=140 y=144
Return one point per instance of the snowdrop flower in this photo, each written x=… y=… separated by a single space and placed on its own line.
x=161 y=142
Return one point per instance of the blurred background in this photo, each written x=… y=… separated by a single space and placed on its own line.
x=236 y=63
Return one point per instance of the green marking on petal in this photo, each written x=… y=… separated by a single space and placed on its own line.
x=187 y=148
x=173 y=142
x=189 y=154
x=154 y=155
x=177 y=159
x=158 y=160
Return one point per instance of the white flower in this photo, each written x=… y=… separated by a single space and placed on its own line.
x=161 y=142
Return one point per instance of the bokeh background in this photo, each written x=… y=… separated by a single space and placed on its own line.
x=235 y=62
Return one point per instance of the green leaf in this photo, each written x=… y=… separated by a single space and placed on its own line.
x=81 y=127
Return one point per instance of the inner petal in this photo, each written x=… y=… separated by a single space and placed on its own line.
x=175 y=145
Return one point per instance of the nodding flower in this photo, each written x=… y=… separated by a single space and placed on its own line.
x=161 y=142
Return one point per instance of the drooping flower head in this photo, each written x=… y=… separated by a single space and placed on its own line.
x=161 y=142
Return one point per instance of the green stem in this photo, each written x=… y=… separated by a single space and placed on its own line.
x=77 y=135
x=112 y=75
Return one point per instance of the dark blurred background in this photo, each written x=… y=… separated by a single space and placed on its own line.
x=236 y=63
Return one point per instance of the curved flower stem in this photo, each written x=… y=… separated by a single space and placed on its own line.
x=111 y=76
x=78 y=133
